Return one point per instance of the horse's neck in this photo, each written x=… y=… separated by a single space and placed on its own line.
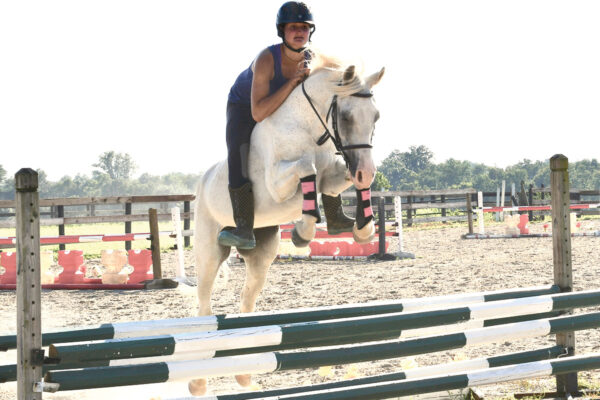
x=297 y=110
x=293 y=130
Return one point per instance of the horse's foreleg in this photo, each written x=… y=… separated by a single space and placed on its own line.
x=305 y=229
x=364 y=227
x=282 y=182
x=335 y=179
x=258 y=261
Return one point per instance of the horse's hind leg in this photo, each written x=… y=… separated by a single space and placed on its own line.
x=258 y=261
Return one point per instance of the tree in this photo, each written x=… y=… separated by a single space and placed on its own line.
x=118 y=166
x=380 y=184
x=398 y=175
x=418 y=158
x=2 y=174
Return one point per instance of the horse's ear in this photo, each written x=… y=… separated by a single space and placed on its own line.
x=375 y=78
x=348 y=74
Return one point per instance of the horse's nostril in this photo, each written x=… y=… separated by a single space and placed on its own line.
x=359 y=176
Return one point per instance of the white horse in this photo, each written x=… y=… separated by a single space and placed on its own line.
x=284 y=148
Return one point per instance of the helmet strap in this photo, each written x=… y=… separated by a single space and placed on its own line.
x=300 y=50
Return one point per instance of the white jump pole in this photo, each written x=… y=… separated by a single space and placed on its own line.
x=398 y=216
x=480 y=212
x=502 y=196
x=180 y=274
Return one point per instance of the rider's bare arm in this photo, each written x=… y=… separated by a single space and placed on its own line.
x=262 y=104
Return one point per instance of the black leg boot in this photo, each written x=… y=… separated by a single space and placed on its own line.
x=337 y=221
x=242 y=236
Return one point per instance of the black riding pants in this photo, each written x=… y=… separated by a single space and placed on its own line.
x=239 y=128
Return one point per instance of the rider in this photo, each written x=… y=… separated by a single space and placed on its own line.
x=257 y=92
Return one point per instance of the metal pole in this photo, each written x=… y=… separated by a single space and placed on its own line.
x=381 y=211
x=61 y=228
x=186 y=222
x=470 y=213
x=128 y=225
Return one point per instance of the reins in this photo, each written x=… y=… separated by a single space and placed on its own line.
x=335 y=138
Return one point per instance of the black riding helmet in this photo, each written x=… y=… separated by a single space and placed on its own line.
x=294 y=11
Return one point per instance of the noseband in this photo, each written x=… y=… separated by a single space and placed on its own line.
x=335 y=138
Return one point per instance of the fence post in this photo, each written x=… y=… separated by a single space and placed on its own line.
x=186 y=223
x=470 y=213
x=127 y=225
x=443 y=200
x=155 y=243
x=530 y=196
x=29 y=327
x=561 y=244
x=409 y=210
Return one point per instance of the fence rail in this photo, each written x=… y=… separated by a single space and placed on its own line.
x=418 y=206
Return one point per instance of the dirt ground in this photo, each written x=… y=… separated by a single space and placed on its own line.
x=444 y=264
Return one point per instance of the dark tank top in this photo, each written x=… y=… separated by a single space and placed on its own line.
x=240 y=91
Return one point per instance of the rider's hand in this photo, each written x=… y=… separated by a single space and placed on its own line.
x=300 y=75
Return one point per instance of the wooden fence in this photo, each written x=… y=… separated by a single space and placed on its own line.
x=418 y=206
x=93 y=210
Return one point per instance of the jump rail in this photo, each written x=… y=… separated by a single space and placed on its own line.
x=312 y=334
x=235 y=321
x=126 y=375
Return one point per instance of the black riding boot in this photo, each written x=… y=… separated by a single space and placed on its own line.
x=337 y=221
x=242 y=236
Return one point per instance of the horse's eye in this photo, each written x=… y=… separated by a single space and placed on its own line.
x=346 y=117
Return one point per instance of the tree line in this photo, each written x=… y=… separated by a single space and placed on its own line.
x=112 y=176
x=408 y=170
x=415 y=170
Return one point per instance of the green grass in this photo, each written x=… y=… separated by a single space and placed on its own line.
x=94 y=249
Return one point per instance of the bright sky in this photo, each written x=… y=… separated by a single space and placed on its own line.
x=486 y=81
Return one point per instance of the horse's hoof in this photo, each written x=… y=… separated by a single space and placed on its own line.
x=298 y=240
x=197 y=387
x=244 y=380
x=364 y=235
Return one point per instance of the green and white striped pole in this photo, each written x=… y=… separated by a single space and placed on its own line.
x=312 y=334
x=274 y=361
x=234 y=321
x=453 y=367
x=496 y=375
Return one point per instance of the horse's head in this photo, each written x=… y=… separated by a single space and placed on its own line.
x=356 y=117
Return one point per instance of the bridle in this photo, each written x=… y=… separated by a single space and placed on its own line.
x=335 y=138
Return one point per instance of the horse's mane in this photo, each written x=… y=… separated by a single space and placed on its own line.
x=336 y=67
